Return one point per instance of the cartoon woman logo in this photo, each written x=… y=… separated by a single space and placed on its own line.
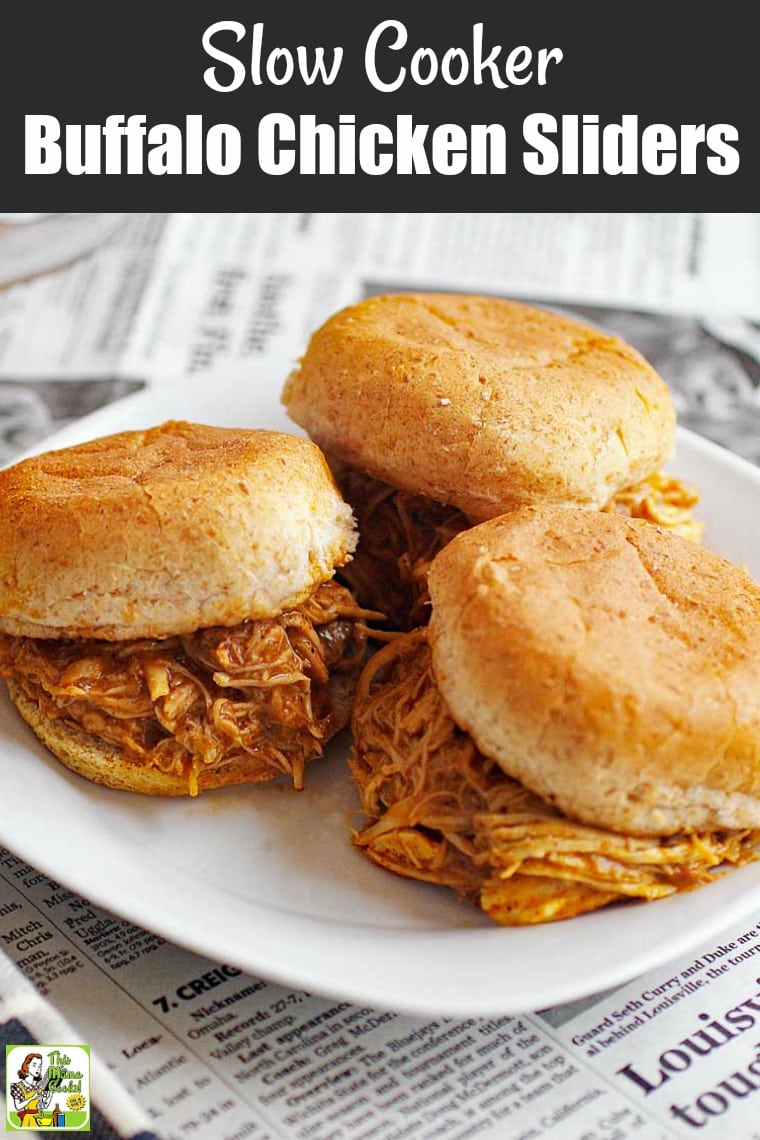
x=30 y=1093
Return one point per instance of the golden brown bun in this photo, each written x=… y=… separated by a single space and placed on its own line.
x=482 y=403
x=104 y=763
x=165 y=531
x=610 y=666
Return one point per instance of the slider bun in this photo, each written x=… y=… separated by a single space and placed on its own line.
x=482 y=403
x=165 y=531
x=104 y=763
x=611 y=667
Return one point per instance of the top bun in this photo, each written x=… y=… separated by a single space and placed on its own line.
x=612 y=667
x=482 y=403
x=165 y=531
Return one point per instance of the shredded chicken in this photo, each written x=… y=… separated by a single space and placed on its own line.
x=664 y=500
x=257 y=692
x=401 y=533
x=440 y=811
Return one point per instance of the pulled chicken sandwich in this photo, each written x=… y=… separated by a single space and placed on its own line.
x=438 y=411
x=169 y=619
x=578 y=725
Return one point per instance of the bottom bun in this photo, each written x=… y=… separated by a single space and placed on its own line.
x=104 y=763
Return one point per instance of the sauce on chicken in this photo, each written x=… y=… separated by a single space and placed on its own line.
x=440 y=811
x=258 y=691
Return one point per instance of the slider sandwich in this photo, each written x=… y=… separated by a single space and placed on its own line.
x=438 y=411
x=169 y=620
x=578 y=724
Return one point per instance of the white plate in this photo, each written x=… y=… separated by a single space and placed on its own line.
x=267 y=879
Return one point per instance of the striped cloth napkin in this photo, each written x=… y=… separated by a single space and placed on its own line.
x=26 y=1017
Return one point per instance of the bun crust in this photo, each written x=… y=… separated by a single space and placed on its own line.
x=482 y=403
x=165 y=531
x=99 y=760
x=104 y=763
x=611 y=667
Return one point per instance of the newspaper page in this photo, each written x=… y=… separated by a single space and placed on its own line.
x=206 y=1049
x=168 y=296
x=232 y=287
x=63 y=335
x=172 y=294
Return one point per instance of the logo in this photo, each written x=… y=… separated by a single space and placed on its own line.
x=47 y=1086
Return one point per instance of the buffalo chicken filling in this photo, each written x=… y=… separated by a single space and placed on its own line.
x=440 y=811
x=257 y=694
x=400 y=534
